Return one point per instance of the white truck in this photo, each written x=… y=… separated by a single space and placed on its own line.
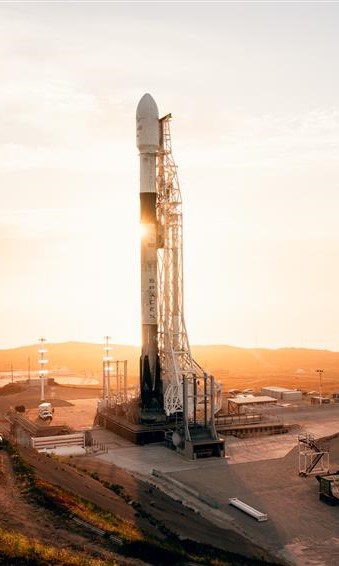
x=45 y=411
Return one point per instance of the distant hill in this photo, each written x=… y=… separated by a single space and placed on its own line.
x=264 y=360
x=219 y=360
x=73 y=356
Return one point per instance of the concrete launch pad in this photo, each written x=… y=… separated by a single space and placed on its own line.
x=138 y=433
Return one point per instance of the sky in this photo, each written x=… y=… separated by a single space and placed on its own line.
x=253 y=89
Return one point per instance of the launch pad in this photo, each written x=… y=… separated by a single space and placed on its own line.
x=139 y=433
x=177 y=399
x=192 y=432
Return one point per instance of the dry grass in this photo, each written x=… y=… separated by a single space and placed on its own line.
x=65 y=503
x=17 y=549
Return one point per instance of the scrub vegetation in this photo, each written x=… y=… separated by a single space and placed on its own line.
x=123 y=541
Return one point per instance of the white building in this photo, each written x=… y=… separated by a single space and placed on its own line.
x=282 y=394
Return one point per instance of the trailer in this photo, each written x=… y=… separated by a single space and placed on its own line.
x=329 y=488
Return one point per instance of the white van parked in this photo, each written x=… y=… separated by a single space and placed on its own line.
x=45 y=411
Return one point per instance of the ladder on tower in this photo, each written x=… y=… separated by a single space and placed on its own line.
x=313 y=456
x=176 y=361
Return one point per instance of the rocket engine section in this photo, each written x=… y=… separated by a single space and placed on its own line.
x=148 y=140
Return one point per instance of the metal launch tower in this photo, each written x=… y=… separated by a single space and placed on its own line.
x=174 y=350
x=176 y=360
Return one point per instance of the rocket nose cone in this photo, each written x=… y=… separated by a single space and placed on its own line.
x=147 y=124
x=147 y=107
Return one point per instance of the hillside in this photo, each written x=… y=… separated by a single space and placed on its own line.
x=223 y=361
x=55 y=513
x=73 y=356
x=235 y=359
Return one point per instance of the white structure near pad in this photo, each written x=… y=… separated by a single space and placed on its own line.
x=258 y=515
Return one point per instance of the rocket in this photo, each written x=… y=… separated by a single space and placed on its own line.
x=148 y=142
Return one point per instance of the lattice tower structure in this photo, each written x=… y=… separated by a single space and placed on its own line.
x=175 y=356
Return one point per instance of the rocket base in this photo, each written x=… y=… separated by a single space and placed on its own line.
x=148 y=429
x=200 y=446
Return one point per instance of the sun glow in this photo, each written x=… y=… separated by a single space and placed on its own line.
x=143 y=231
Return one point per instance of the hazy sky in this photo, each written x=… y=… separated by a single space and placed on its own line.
x=254 y=93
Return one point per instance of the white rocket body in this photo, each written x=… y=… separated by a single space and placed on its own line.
x=148 y=140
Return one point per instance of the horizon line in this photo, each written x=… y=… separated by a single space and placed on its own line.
x=198 y=345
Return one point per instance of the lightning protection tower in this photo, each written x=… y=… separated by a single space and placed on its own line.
x=42 y=367
x=106 y=368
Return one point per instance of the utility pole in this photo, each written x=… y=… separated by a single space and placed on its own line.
x=106 y=366
x=320 y=373
x=42 y=371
